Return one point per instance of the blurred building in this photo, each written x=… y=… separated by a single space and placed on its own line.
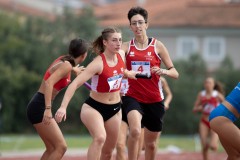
x=210 y=28
x=207 y=27
x=42 y=8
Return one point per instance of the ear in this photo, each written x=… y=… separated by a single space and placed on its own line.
x=147 y=25
x=104 y=42
x=83 y=57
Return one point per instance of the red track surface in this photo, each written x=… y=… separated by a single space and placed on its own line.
x=160 y=156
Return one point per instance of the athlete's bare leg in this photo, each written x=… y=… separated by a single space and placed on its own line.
x=150 y=140
x=121 y=143
x=53 y=139
x=93 y=120
x=134 y=120
x=229 y=136
x=141 y=143
x=204 y=133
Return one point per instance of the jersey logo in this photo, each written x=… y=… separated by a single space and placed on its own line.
x=149 y=56
x=115 y=109
x=238 y=88
x=132 y=54
x=122 y=69
x=114 y=72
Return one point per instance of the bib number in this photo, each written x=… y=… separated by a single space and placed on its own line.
x=114 y=82
x=141 y=66
x=208 y=108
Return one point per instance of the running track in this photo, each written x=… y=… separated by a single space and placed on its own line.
x=160 y=156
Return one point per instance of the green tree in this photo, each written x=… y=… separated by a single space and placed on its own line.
x=229 y=77
x=28 y=45
x=180 y=119
x=227 y=74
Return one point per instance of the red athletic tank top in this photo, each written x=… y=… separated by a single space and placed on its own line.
x=62 y=83
x=209 y=103
x=144 y=90
x=110 y=78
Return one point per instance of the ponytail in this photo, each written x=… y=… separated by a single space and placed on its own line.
x=68 y=58
x=77 y=47
x=98 y=46
x=219 y=87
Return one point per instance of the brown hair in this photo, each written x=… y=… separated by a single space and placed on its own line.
x=97 y=45
x=77 y=47
x=219 y=87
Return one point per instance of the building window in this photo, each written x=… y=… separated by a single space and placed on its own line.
x=214 y=48
x=232 y=1
x=187 y=46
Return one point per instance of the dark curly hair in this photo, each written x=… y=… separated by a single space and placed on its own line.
x=138 y=10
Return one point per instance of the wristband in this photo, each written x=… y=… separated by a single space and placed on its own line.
x=170 y=67
x=48 y=107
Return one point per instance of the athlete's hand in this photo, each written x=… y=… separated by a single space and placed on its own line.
x=60 y=115
x=158 y=71
x=197 y=109
x=47 y=116
x=166 y=106
x=78 y=70
x=131 y=74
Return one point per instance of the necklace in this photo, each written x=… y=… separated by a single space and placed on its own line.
x=142 y=42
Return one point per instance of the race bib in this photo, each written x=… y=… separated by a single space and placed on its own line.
x=124 y=86
x=114 y=82
x=208 y=108
x=141 y=66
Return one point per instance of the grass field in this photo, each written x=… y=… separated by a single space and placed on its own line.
x=28 y=142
